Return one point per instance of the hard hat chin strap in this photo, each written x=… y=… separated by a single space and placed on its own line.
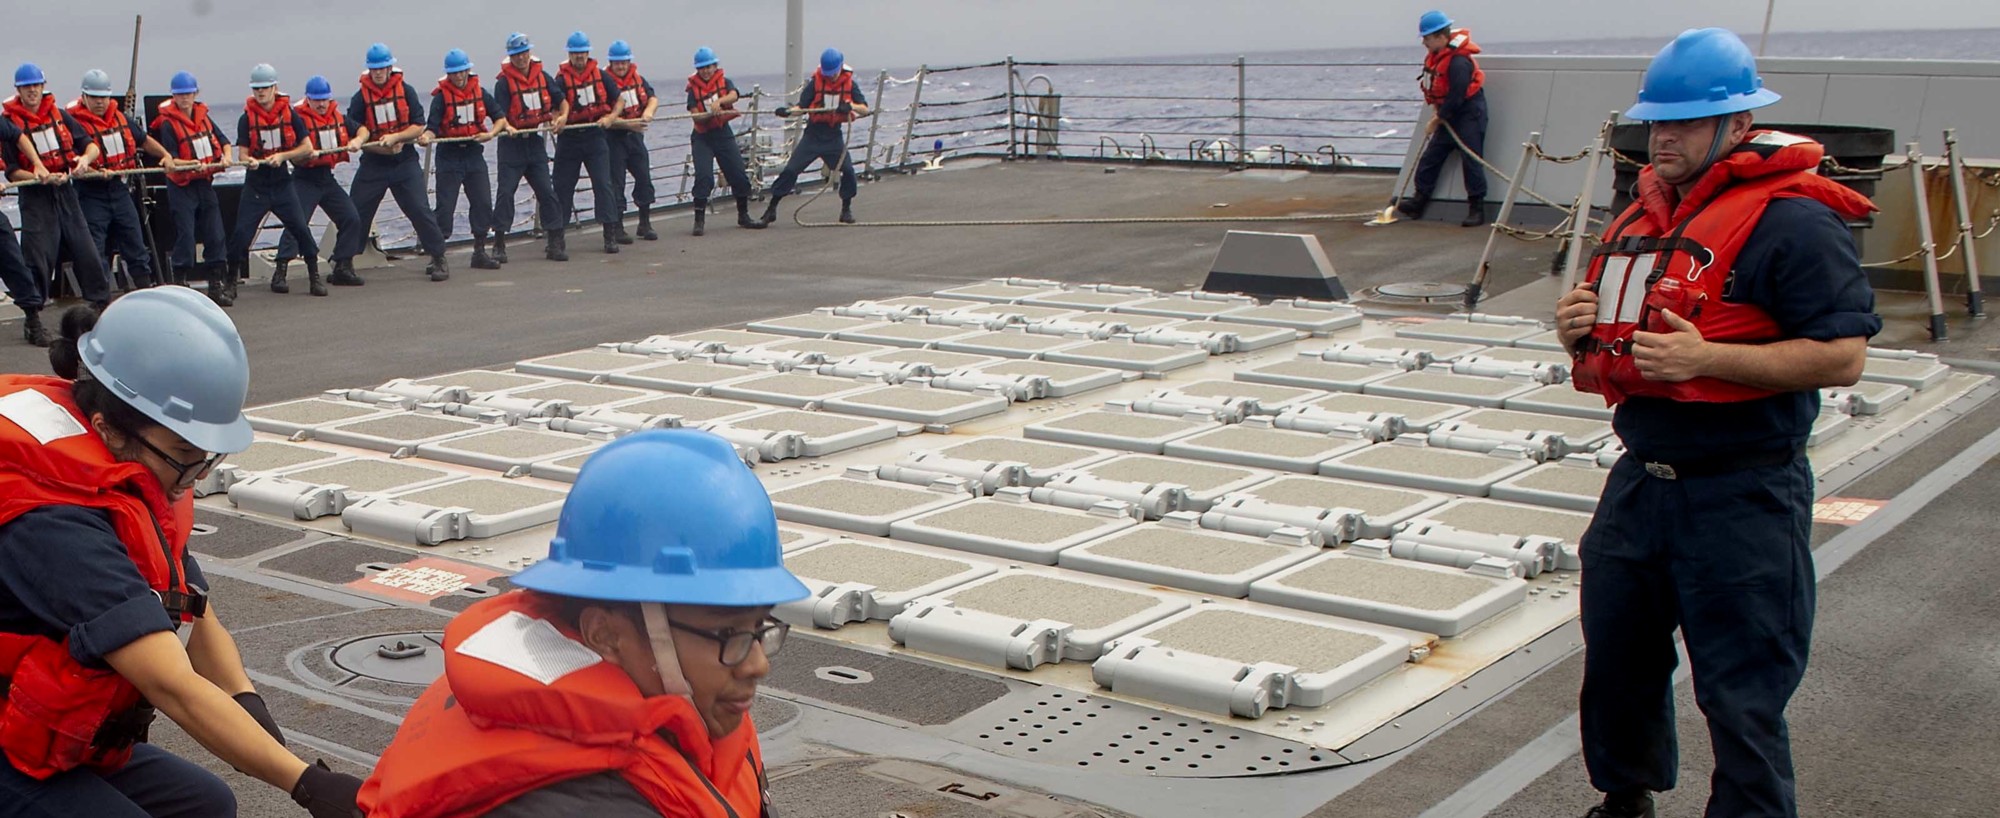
x=1714 y=146
x=665 y=658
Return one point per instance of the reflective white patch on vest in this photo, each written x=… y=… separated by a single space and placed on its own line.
x=112 y=143
x=531 y=100
x=528 y=646
x=711 y=104
x=1778 y=139
x=829 y=101
x=203 y=147
x=45 y=141
x=271 y=139
x=1611 y=287
x=586 y=95
x=463 y=114
x=630 y=97
x=328 y=139
x=385 y=113
x=39 y=416
x=1635 y=288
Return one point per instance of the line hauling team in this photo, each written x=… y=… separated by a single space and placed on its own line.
x=81 y=210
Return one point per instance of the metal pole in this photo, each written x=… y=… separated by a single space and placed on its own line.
x=874 y=123
x=1506 y=211
x=756 y=136
x=1242 y=147
x=1770 y=6
x=1975 y=300
x=1010 y=106
x=1929 y=248
x=795 y=44
x=1579 y=223
x=910 y=124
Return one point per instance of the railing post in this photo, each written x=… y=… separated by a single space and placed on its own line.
x=1926 y=245
x=910 y=124
x=1010 y=106
x=1242 y=129
x=874 y=123
x=756 y=161
x=1506 y=211
x=1579 y=223
x=1975 y=300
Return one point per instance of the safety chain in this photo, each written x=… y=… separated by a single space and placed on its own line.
x=1490 y=168
x=1560 y=160
x=1957 y=242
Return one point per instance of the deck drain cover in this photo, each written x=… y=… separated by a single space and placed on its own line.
x=844 y=675
x=397 y=658
x=1423 y=290
x=1083 y=732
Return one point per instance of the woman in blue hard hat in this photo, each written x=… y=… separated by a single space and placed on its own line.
x=96 y=582
x=620 y=683
x=1453 y=86
x=1717 y=307
x=625 y=138
x=51 y=147
x=712 y=96
x=834 y=100
x=196 y=145
x=462 y=111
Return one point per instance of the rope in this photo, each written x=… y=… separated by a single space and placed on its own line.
x=1504 y=177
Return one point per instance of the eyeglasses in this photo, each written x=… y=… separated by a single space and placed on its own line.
x=736 y=644
x=182 y=471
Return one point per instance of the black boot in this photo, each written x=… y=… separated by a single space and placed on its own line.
x=558 y=249
x=177 y=276
x=1475 y=215
x=143 y=281
x=616 y=230
x=215 y=291
x=771 y=210
x=278 y=284
x=701 y=218
x=847 y=211
x=611 y=240
x=237 y=272
x=438 y=269
x=343 y=274
x=646 y=223
x=499 y=248
x=1623 y=805
x=314 y=284
x=743 y=214
x=480 y=260
x=32 y=330
x=1413 y=208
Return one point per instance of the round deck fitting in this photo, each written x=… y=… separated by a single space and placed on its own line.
x=398 y=658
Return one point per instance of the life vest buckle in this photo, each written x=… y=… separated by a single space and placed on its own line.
x=122 y=730
x=190 y=605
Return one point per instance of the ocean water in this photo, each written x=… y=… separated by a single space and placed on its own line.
x=1299 y=106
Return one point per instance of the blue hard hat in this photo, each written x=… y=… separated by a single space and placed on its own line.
x=704 y=57
x=173 y=355
x=831 y=61
x=620 y=51
x=379 y=57
x=671 y=516
x=318 y=88
x=29 y=74
x=518 y=43
x=184 y=84
x=457 y=60
x=1704 y=72
x=1432 y=22
x=579 y=43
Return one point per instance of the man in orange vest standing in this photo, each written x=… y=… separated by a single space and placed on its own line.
x=1716 y=308
x=52 y=146
x=523 y=99
x=626 y=138
x=391 y=117
x=589 y=97
x=620 y=682
x=1453 y=86
x=462 y=110
x=270 y=135
x=712 y=97
x=107 y=201
x=195 y=145
x=835 y=101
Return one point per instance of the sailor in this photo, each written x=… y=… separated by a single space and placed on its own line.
x=836 y=101
x=462 y=110
x=626 y=139
x=522 y=97
x=333 y=137
x=1452 y=85
x=196 y=147
x=51 y=147
x=107 y=202
x=1715 y=309
x=388 y=111
x=99 y=587
x=619 y=684
x=712 y=98
x=270 y=134
x=589 y=97
x=14 y=275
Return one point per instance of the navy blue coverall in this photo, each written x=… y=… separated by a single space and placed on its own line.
x=270 y=190
x=822 y=142
x=114 y=218
x=584 y=150
x=627 y=154
x=462 y=165
x=1466 y=115
x=53 y=226
x=400 y=175
x=524 y=156
x=717 y=147
x=197 y=213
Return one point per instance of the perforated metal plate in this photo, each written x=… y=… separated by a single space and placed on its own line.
x=293 y=417
x=934 y=303
x=262 y=456
x=1087 y=299
x=1557 y=485
x=506 y=450
x=1067 y=729
x=1313 y=373
x=854 y=581
x=1034 y=454
x=1398 y=593
x=1182 y=306
x=1116 y=430
x=1029 y=312
x=1270 y=399
x=1015 y=530
x=317 y=491
x=1442 y=351
x=1462 y=331
x=1419 y=415
x=1527 y=355
x=1204 y=481
x=790 y=388
x=1448 y=388
x=833 y=350
x=733 y=340
x=1383 y=508
x=1131 y=320
x=863 y=506
x=582 y=397
x=1249 y=337
x=918 y=404
x=1561 y=399
x=1064 y=379
x=1191 y=559
x=561 y=468
x=584 y=366
x=492 y=507
x=1511 y=519
x=811 y=324
x=1098 y=611
x=1578 y=433
x=684 y=376
x=690 y=410
x=910 y=333
x=481 y=381
x=998 y=291
x=396 y=432
x=825 y=432
x=1128 y=355
x=1426 y=467
x=1317 y=322
x=368 y=475
x=940 y=361
x=1205 y=658
x=1009 y=344
x=1267 y=448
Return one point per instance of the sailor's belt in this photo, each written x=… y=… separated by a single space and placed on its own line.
x=1709 y=467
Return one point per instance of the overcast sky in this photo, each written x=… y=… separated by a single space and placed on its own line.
x=221 y=39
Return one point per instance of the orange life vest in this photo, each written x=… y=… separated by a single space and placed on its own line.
x=632 y=92
x=112 y=133
x=830 y=93
x=387 y=106
x=58 y=714
x=528 y=103
x=326 y=131
x=46 y=133
x=485 y=734
x=709 y=94
x=464 y=108
x=1679 y=253
x=272 y=131
x=585 y=92
x=1436 y=79
x=194 y=140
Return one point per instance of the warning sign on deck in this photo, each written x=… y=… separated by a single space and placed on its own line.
x=1843 y=510
x=423 y=579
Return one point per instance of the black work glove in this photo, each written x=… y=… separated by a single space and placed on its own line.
x=254 y=705
x=784 y=110
x=846 y=109
x=327 y=794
